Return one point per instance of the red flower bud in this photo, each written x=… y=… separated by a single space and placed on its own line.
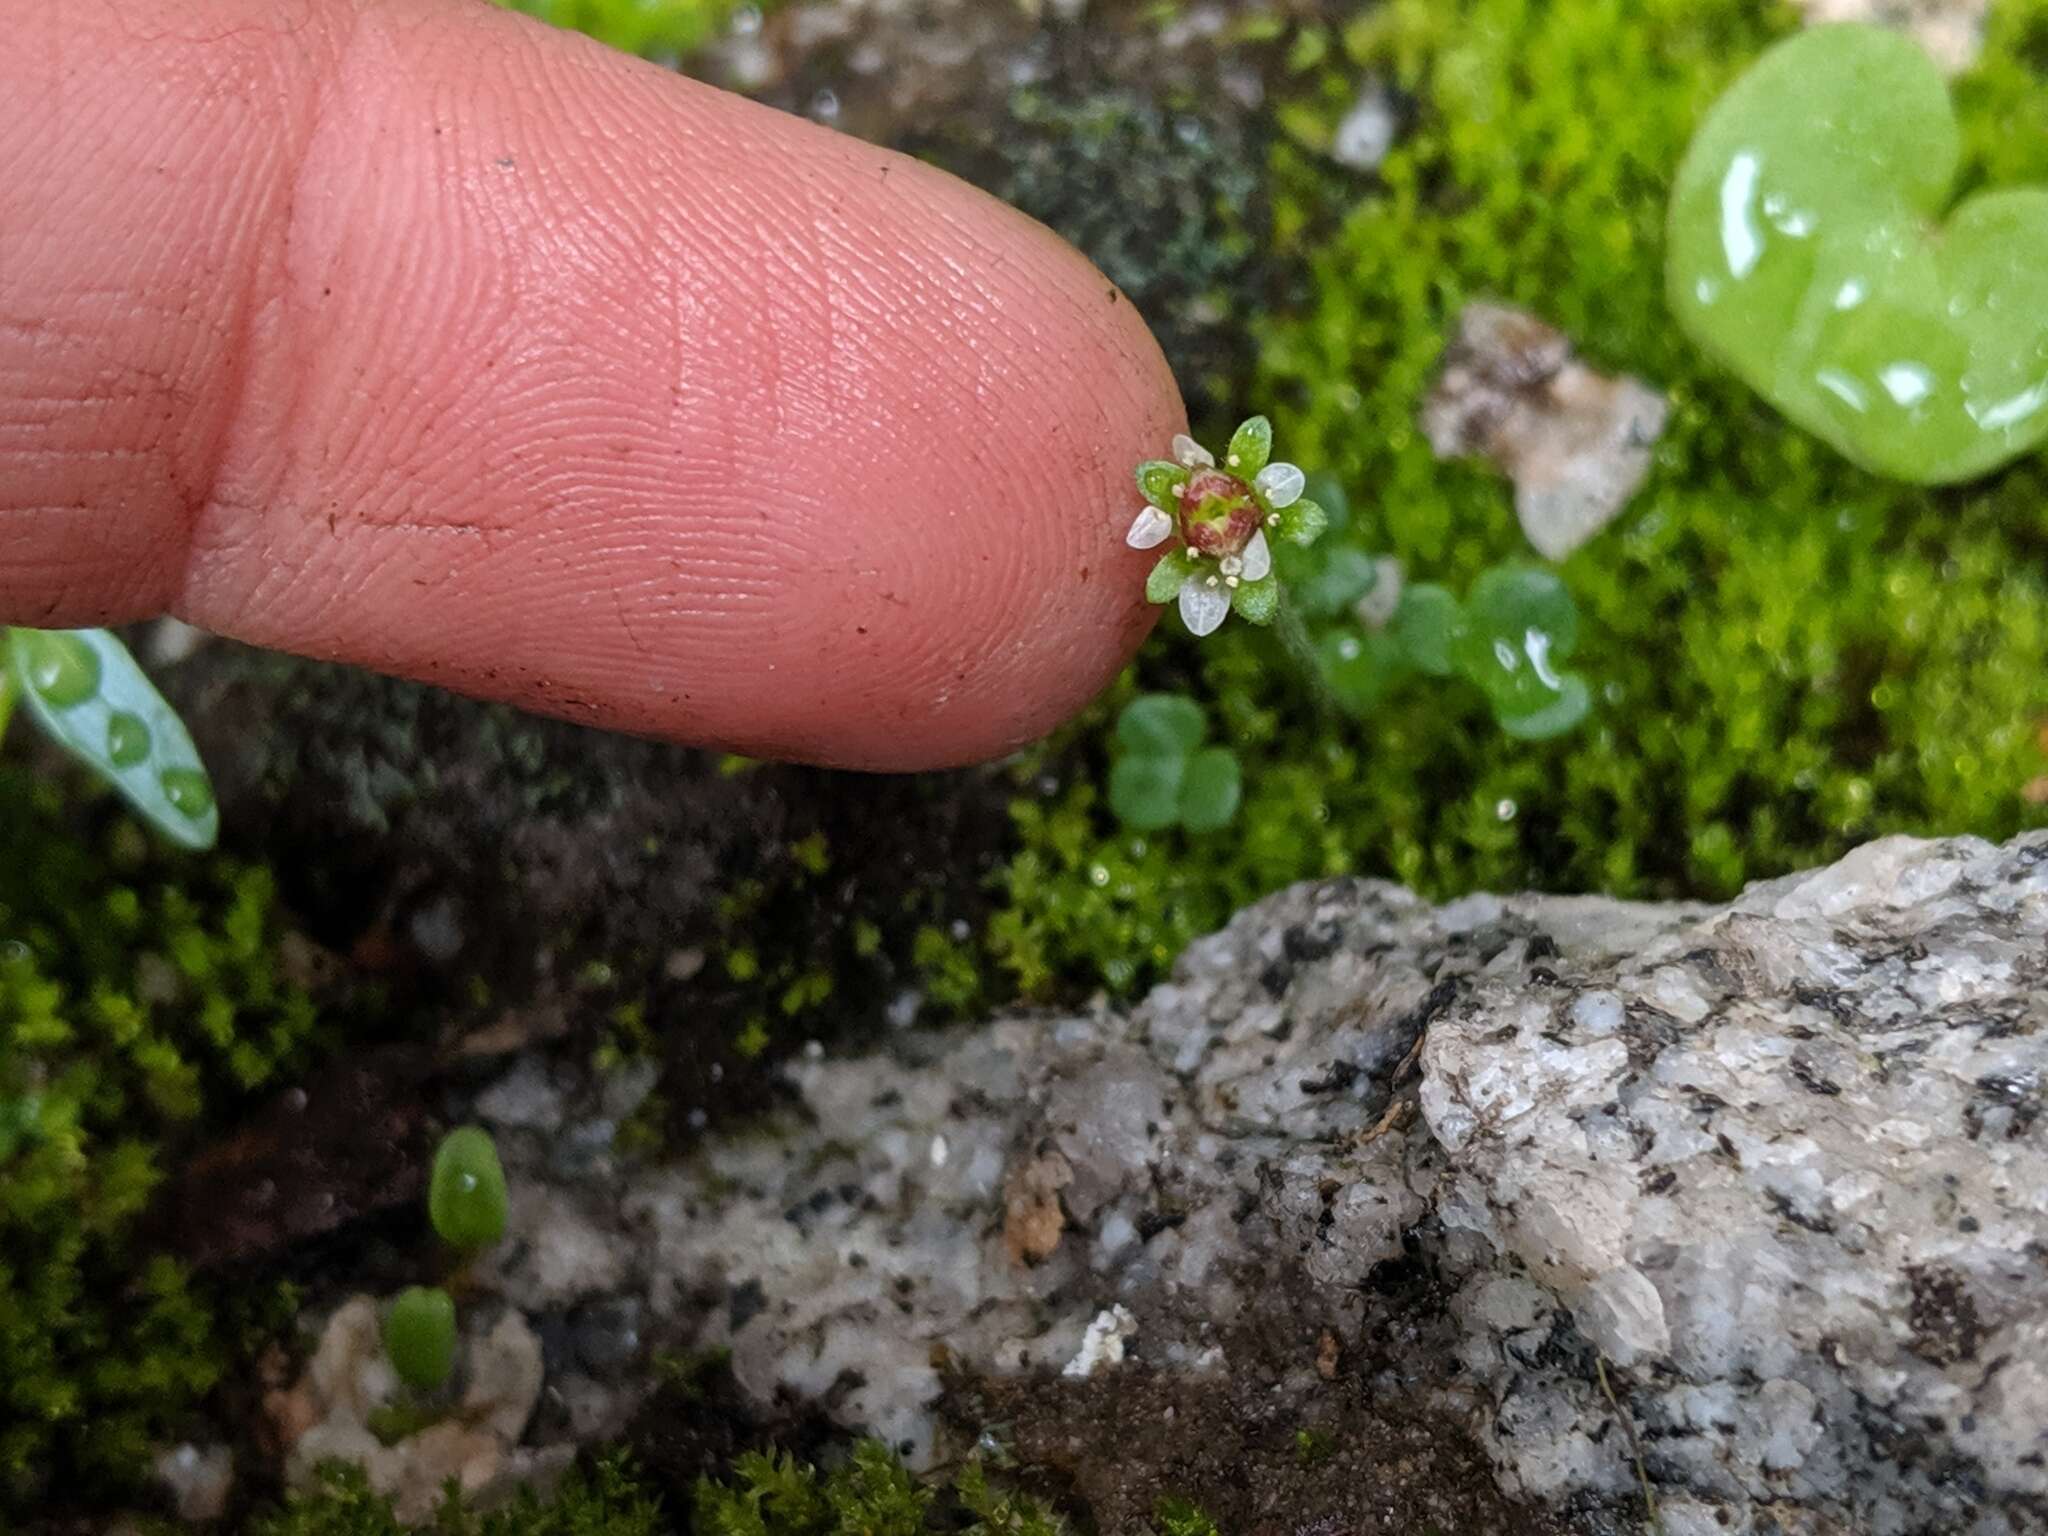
x=1218 y=513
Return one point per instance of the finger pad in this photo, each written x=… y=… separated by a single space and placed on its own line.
x=597 y=390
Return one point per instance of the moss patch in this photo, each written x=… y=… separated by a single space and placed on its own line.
x=140 y=995
x=1788 y=656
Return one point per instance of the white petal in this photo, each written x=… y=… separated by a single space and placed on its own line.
x=1150 y=530
x=1204 y=604
x=1192 y=454
x=1258 y=558
x=1280 y=484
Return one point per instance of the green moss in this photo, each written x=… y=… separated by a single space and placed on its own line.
x=607 y=1499
x=1788 y=656
x=868 y=1494
x=130 y=1008
x=650 y=28
x=1177 y=1517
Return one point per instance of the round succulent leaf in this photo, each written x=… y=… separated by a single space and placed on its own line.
x=466 y=1197
x=1158 y=479
x=1257 y=601
x=1169 y=576
x=1812 y=250
x=1427 y=626
x=1360 y=666
x=1520 y=624
x=419 y=1337
x=1144 y=791
x=1161 y=725
x=1514 y=599
x=1210 y=790
x=1326 y=582
x=1251 y=448
x=1564 y=710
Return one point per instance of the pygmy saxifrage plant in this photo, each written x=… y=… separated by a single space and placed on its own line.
x=1222 y=515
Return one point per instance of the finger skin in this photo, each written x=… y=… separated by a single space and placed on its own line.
x=418 y=335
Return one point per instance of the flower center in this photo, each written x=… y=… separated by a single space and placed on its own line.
x=1218 y=514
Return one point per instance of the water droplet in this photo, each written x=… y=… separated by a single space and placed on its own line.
x=187 y=790
x=127 y=739
x=825 y=105
x=1098 y=874
x=1505 y=811
x=61 y=667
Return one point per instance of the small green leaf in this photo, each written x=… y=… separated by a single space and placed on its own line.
x=1157 y=481
x=87 y=692
x=1169 y=576
x=6 y=688
x=1520 y=625
x=1303 y=523
x=1257 y=601
x=1568 y=705
x=1210 y=790
x=1327 y=492
x=1361 y=665
x=1144 y=791
x=1334 y=582
x=1161 y=725
x=466 y=1194
x=1426 y=626
x=1250 y=448
x=419 y=1336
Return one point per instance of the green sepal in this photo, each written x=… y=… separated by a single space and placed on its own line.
x=1251 y=448
x=1257 y=601
x=1210 y=790
x=1169 y=576
x=1303 y=523
x=1158 y=479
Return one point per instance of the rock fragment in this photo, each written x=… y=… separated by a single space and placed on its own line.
x=1575 y=442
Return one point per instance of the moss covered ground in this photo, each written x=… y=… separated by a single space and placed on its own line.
x=866 y=1492
x=1789 y=656
x=142 y=996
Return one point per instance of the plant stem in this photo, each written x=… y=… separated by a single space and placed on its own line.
x=1293 y=633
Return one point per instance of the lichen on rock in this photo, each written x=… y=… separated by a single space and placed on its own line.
x=1757 y=1185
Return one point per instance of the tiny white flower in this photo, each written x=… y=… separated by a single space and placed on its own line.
x=1258 y=558
x=1191 y=454
x=1204 y=604
x=1152 y=529
x=1280 y=484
